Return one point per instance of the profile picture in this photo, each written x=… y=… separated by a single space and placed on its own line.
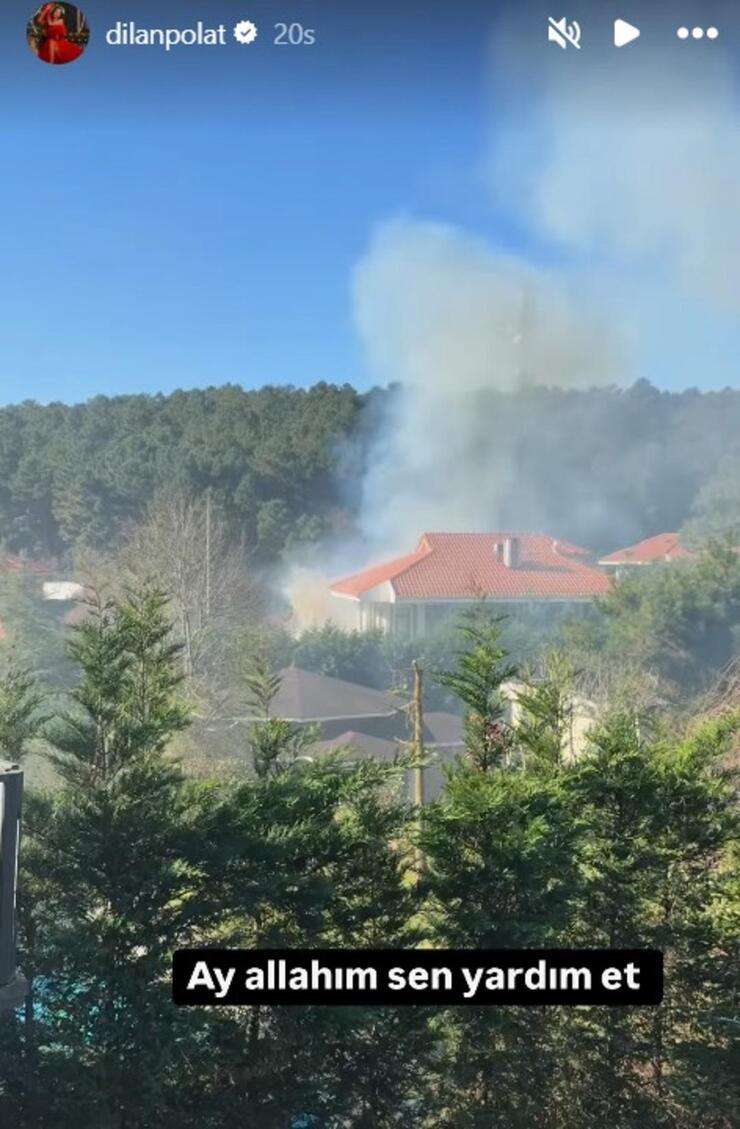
x=58 y=33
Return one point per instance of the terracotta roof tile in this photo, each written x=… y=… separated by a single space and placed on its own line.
x=372 y=577
x=662 y=547
x=451 y=566
x=11 y=563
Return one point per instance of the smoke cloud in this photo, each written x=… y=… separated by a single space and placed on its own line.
x=450 y=319
x=624 y=171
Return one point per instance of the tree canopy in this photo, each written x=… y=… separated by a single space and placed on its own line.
x=284 y=465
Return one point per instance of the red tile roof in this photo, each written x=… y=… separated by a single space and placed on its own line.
x=465 y=566
x=12 y=563
x=662 y=547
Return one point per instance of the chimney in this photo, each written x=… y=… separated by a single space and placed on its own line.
x=511 y=552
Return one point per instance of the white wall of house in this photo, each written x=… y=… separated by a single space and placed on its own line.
x=63 y=590
x=412 y=619
x=408 y=619
x=584 y=715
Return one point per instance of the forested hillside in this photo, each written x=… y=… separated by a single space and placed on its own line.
x=285 y=465
x=72 y=476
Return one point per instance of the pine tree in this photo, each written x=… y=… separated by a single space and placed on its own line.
x=656 y=822
x=274 y=743
x=109 y=886
x=21 y=718
x=476 y=681
x=313 y=857
x=546 y=705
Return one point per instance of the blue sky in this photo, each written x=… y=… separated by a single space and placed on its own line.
x=191 y=218
x=175 y=220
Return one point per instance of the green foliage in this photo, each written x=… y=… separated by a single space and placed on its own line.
x=107 y=883
x=79 y=476
x=269 y=642
x=21 y=719
x=547 y=710
x=368 y=658
x=278 y=460
x=274 y=743
x=126 y=703
x=355 y=656
x=309 y=857
x=680 y=620
x=384 y=661
x=715 y=511
x=635 y=843
x=476 y=680
x=262 y=685
x=128 y=860
x=500 y=853
x=31 y=629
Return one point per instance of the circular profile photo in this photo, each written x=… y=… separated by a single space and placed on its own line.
x=58 y=33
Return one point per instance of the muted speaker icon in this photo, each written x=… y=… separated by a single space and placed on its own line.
x=563 y=33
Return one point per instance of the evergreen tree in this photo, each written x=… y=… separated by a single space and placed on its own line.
x=313 y=856
x=108 y=887
x=274 y=743
x=501 y=873
x=657 y=822
x=476 y=680
x=21 y=719
x=632 y=845
x=547 y=709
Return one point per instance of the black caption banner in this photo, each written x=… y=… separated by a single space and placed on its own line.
x=430 y=977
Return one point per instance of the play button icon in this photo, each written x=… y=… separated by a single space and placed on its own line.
x=624 y=33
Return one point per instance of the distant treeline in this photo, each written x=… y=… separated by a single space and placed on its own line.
x=284 y=465
x=73 y=476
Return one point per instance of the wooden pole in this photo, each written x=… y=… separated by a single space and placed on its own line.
x=417 y=709
x=418 y=740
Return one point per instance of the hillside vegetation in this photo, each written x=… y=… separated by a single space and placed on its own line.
x=284 y=466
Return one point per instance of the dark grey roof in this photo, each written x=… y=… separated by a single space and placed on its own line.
x=443 y=728
x=305 y=696
x=375 y=748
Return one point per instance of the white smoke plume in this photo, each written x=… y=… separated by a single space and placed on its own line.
x=626 y=170
x=622 y=169
x=448 y=318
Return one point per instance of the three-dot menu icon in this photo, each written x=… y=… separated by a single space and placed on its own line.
x=697 y=33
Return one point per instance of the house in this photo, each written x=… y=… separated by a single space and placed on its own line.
x=581 y=716
x=443 y=739
x=653 y=550
x=332 y=705
x=65 y=590
x=11 y=563
x=336 y=707
x=443 y=743
x=447 y=572
x=368 y=724
x=373 y=724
